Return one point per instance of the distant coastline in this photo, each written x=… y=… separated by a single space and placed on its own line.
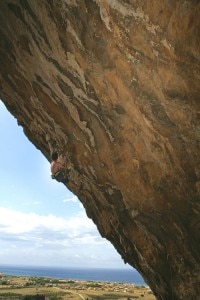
x=91 y=274
x=43 y=288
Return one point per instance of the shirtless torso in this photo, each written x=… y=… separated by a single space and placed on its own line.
x=56 y=166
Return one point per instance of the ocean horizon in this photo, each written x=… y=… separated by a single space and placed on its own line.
x=75 y=273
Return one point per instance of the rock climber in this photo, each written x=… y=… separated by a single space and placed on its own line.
x=58 y=170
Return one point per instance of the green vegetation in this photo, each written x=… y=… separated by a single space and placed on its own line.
x=6 y=295
x=34 y=297
x=110 y=296
x=4 y=282
x=70 y=281
x=43 y=281
x=94 y=285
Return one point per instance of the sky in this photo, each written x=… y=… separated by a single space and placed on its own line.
x=41 y=222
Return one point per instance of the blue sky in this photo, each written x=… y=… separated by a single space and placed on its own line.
x=41 y=222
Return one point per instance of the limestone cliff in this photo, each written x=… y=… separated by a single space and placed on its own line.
x=116 y=85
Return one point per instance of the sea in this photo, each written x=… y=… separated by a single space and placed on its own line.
x=88 y=274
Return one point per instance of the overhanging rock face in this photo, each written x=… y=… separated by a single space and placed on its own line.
x=116 y=85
